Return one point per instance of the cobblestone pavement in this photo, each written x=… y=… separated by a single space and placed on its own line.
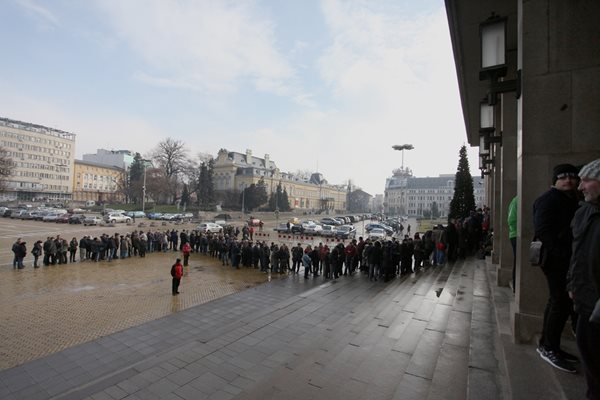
x=52 y=308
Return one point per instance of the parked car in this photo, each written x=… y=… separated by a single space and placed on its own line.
x=29 y=215
x=312 y=228
x=330 y=221
x=209 y=227
x=225 y=217
x=168 y=217
x=282 y=228
x=51 y=217
x=154 y=215
x=377 y=234
x=76 y=219
x=372 y=226
x=184 y=216
x=328 y=231
x=16 y=214
x=136 y=214
x=63 y=218
x=296 y=228
x=345 y=232
x=116 y=218
x=92 y=220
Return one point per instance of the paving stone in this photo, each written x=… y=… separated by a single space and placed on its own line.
x=412 y=388
x=425 y=356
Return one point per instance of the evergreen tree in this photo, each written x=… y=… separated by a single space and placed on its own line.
x=463 y=201
x=135 y=181
x=210 y=183
x=276 y=199
x=255 y=195
x=185 y=196
x=284 y=204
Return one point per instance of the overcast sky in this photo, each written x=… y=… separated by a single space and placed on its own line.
x=325 y=84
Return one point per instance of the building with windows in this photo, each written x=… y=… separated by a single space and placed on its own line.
x=98 y=182
x=236 y=171
x=117 y=158
x=43 y=159
x=416 y=197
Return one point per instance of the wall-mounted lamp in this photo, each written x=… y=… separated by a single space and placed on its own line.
x=492 y=34
x=487 y=128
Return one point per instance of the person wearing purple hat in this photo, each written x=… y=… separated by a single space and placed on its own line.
x=584 y=275
x=552 y=215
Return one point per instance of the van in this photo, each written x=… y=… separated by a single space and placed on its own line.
x=90 y=203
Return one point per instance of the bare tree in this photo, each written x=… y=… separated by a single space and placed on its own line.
x=6 y=168
x=172 y=157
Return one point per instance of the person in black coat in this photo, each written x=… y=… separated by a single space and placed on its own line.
x=552 y=215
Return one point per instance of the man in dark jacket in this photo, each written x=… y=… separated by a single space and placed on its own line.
x=552 y=215
x=584 y=275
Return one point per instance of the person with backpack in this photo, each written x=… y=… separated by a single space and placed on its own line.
x=176 y=273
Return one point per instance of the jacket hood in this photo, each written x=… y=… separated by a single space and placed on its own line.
x=587 y=213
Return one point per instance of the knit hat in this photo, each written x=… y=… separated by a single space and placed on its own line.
x=563 y=169
x=591 y=170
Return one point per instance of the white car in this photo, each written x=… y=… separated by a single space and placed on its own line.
x=312 y=228
x=114 y=218
x=92 y=220
x=377 y=234
x=328 y=230
x=51 y=217
x=209 y=227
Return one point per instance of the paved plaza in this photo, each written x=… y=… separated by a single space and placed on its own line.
x=113 y=331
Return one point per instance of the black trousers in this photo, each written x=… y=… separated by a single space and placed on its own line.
x=175 y=286
x=558 y=309
x=589 y=347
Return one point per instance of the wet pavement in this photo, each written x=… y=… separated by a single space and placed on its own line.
x=45 y=310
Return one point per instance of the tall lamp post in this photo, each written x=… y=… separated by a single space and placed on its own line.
x=144 y=162
x=403 y=147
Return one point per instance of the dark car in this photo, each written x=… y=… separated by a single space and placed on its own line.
x=282 y=228
x=63 y=219
x=345 y=232
x=296 y=229
x=76 y=219
x=225 y=217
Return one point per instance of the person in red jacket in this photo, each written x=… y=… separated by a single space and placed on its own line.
x=350 y=252
x=176 y=273
x=186 y=249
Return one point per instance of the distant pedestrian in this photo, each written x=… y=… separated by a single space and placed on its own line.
x=15 y=249
x=20 y=253
x=186 y=249
x=176 y=273
x=37 y=251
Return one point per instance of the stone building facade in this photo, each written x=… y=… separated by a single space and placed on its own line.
x=236 y=171
x=98 y=182
x=412 y=196
x=43 y=158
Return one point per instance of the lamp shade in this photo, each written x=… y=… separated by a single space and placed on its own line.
x=484 y=149
x=486 y=116
x=493 y=42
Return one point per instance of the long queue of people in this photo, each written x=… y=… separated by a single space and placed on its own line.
x=235 y=247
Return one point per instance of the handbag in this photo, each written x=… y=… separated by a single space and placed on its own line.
x=535 y=252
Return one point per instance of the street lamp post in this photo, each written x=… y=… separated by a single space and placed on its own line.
x=243 y=186
x=403 y=147
x=144 y=191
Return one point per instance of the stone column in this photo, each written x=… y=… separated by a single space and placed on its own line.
x=508 y=165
